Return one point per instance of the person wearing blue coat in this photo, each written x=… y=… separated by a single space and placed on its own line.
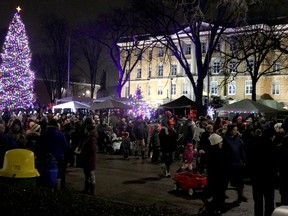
x=53 y=146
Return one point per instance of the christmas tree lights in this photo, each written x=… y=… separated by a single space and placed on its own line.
x=17 y=78
x=140 y=108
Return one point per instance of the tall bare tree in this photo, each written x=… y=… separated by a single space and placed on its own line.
x=257 y=51
x=121 y=27
x=169 y=21
x=93 y=54
x=56 y=33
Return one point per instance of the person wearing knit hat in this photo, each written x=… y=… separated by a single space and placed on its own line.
x=33 y=127
x=32 y=135
x=215 y=139
x=216 y=178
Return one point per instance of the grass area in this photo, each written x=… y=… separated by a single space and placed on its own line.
x=24 y=199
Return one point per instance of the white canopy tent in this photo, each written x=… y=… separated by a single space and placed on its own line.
x=73 y=105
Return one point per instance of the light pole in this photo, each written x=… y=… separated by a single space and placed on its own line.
x=68 y=66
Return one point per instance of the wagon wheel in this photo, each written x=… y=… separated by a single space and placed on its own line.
x=175 y=187
x=190 y=191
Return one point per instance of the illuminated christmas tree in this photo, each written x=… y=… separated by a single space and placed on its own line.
x=140 y=108
x=17 y=79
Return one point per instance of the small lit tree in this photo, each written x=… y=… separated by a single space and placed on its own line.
x=140 y=108
x=17 y=78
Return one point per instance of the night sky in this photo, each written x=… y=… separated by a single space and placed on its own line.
x=76 y=12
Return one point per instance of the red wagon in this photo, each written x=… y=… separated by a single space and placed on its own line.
x=189 y=181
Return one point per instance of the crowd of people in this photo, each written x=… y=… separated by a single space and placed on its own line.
x=227 y=152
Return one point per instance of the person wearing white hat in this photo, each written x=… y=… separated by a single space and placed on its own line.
x=216 y=178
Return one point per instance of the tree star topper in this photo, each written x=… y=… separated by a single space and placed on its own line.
x=18 y=9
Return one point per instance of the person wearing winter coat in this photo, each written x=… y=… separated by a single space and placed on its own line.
x=126 y=144
x=263 y=171
x=155 y=144
x=53 y=145
x=188 y=157
x=234 y=160
x=168 y=138
x=216 y=178
x=6 y=143
x=88 y=159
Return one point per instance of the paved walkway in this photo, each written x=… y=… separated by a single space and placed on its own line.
x=139 y=182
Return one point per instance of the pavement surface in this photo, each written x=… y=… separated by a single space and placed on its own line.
x=141 y=183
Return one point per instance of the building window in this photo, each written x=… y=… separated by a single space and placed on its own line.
x=127 y=54
x=232 y=44
x=127 y=71
x=214 y=87
x=173 y=89
x=276 y=66
x=150 y=54
x=173 y=69
x=149 y=90
x=232 y=88
x=203 y=47
x=216 y=66
x=149 y=71
x=160 y=51
x=126 y=91
x=250 y=65
x=184 y=88
x=218 y=46
x=276 y=87
x=160 y=70
x=248 y=87
x=139 y=71
x=233 y=66
x=160 y=90
x=187 y=50
x=138 y=53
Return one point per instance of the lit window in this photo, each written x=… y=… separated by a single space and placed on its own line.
x=173 y=69
x=160 y=90
x=276 y=66
x=184 y=88
x=203 y=47
x=214 y=87
x=216 y=67
x=150 y=54
x=250 y=65
x=149 y=71
x=248 y=87
x=149 y=90
x=232 y=88
x=160 y=70
x=160 y=52
x=173 y=89
x=139 y=72
x=233 y=66
x=276 y=87
x=187 y=49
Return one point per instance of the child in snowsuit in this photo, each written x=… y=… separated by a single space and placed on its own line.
x=188 y=157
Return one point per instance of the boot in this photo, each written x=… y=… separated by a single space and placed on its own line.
x=92 y=189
